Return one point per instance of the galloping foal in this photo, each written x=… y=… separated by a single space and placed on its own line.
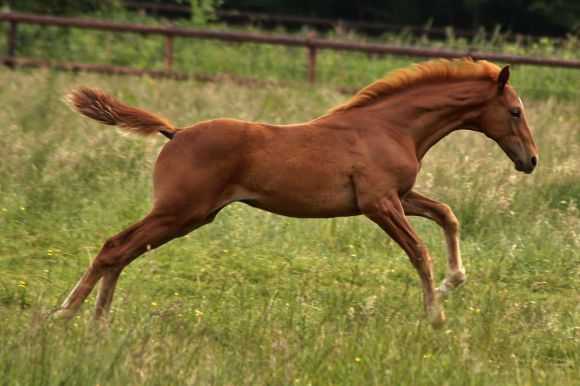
x=360 y=158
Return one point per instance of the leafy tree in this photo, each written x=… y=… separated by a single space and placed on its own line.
x=525 y=16
x=203 y=11
x=61 y=7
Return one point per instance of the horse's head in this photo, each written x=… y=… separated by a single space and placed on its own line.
x=503 y=119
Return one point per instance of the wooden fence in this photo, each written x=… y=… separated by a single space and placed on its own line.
x=311 y=44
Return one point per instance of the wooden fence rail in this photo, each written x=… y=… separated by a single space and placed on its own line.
x=311 y=43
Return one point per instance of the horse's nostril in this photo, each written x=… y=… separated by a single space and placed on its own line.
x=534 y=161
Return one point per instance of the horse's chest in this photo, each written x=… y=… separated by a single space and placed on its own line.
x=389 y=174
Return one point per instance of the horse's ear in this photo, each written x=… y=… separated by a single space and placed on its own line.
x=503 y=77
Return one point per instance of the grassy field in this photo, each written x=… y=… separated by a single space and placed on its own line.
x=256 y=299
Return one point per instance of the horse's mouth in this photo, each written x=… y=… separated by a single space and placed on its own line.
x=520 y=167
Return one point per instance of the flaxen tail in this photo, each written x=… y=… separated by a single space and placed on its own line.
x=102 y=107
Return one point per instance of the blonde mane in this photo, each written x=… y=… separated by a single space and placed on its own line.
x=439 y=69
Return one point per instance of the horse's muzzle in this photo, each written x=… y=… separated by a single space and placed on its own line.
x=527 y=167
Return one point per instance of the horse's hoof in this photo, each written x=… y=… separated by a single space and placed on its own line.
x=443 y=291
x=455 y=278
x=452 y=280
x=61 y=314
x=436 y=316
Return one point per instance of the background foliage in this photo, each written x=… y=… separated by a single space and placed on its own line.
x=538 y=17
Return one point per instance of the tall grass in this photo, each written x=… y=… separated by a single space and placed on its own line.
x=256 y=298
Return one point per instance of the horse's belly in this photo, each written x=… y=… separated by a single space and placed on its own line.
x=299 y=177
x=313 y=203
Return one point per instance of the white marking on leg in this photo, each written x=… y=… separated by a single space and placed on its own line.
x=67 y=302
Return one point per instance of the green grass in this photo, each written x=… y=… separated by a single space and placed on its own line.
x=258 y=299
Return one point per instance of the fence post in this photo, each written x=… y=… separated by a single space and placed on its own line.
x=12 y=43
x=311 y=58
x=168 y=52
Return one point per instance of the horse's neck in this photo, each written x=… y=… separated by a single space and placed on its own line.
x=437 y=124
x=431 y=112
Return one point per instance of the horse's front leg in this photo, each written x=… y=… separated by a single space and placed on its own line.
x=416 y=204
x=388 y=213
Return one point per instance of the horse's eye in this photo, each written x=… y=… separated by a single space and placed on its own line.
x=515 y=112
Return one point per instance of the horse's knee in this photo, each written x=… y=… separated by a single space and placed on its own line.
x=449 y=220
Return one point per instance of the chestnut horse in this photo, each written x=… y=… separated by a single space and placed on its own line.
x=360 y=158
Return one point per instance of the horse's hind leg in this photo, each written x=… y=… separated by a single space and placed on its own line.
x=79 y=293
x=118 y=251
